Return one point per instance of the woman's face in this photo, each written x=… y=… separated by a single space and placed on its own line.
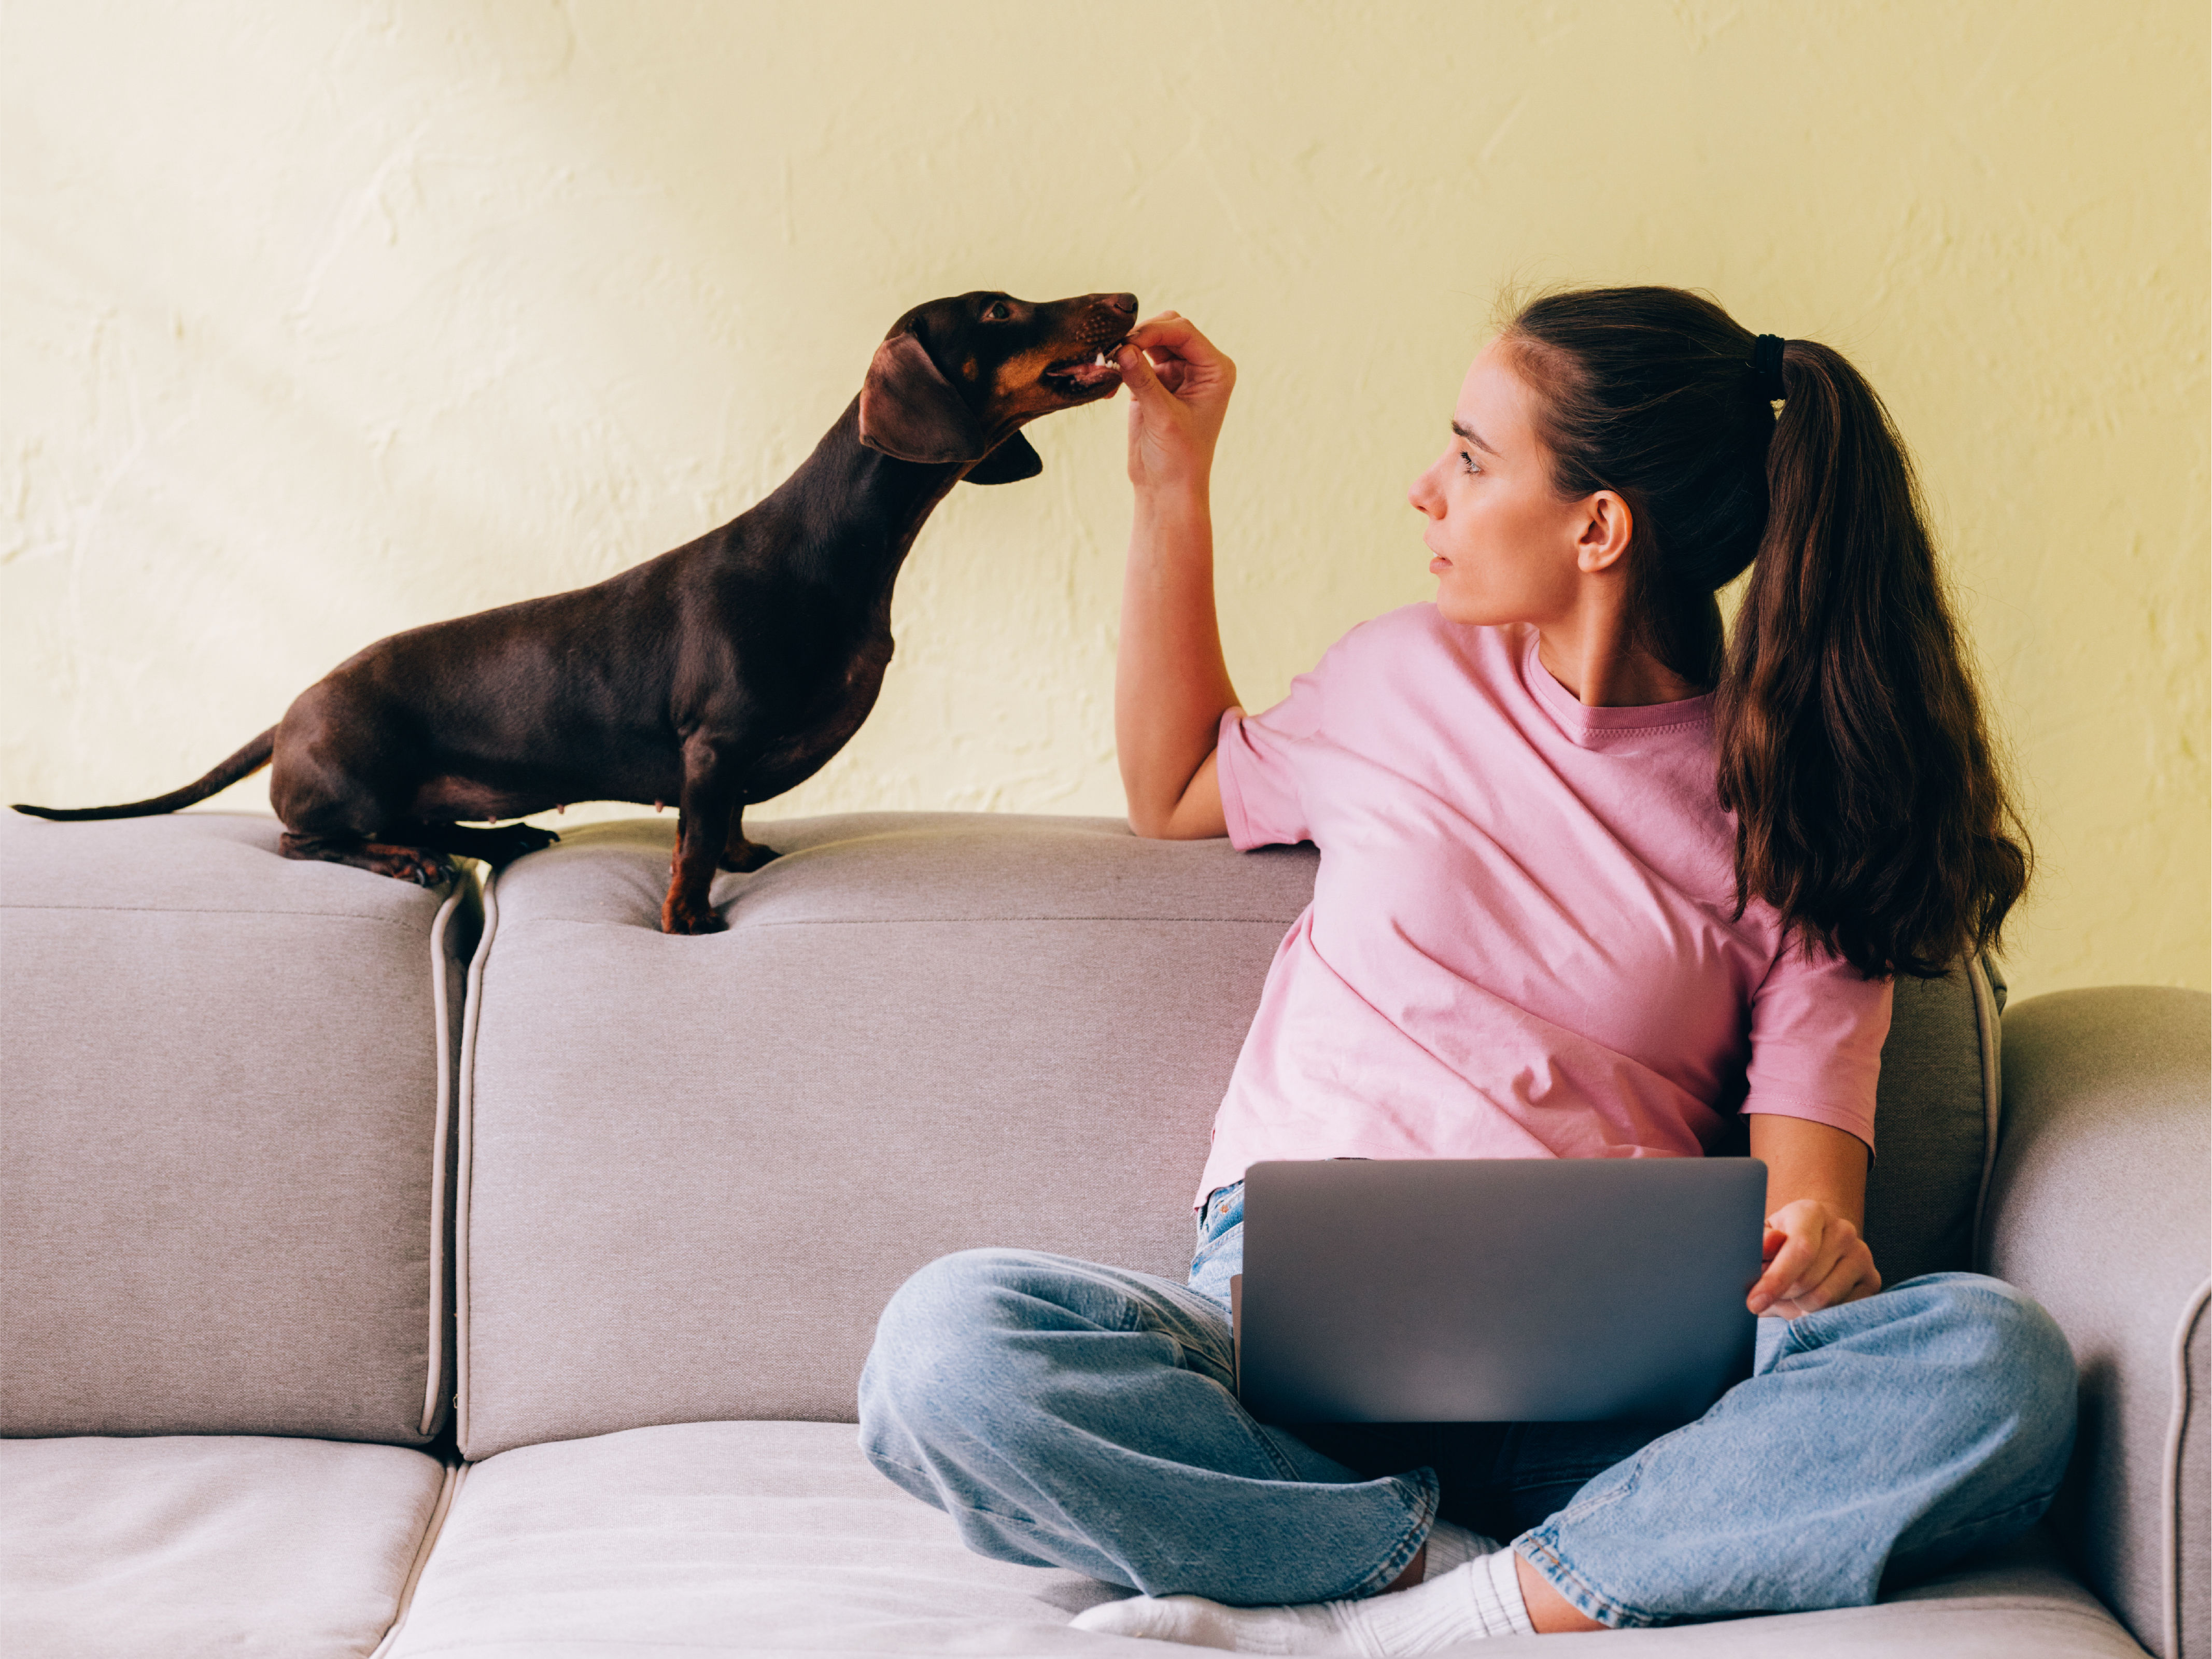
x=1506 y=549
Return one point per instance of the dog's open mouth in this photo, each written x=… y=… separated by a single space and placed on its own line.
x=1076 y=377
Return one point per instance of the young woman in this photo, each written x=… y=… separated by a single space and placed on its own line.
x=1593 y=881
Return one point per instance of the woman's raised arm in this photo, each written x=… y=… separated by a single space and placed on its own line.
x=1171 y=685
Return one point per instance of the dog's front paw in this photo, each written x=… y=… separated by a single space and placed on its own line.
x=680 y=913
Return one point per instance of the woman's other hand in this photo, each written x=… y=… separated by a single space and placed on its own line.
x=1814 y=1258
x=1179 y=384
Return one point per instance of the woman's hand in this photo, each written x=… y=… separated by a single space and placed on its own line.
x=1814 y=1258
x=1179 y=387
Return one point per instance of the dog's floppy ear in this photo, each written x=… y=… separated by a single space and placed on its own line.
x=909 y=410
x=1010 y=463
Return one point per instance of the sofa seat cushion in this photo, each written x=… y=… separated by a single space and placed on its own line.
x=719 y=1537
x=767 y=1537
x=180 y=1546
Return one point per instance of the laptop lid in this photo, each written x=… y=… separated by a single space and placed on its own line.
x=1496 y=1290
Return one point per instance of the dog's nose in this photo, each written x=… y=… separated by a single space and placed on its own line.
x=1125 y=303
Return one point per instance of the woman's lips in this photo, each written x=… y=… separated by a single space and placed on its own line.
x=1438 y=565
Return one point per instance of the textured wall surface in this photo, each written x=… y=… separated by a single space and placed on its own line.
x=326 y=319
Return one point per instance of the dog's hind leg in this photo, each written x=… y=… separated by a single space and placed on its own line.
x=738 y=853
x=423 y=866
x=337 y=778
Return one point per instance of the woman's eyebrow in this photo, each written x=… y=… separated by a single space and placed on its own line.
x=1473 y=437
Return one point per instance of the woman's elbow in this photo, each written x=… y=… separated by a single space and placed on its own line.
x=1153 y=825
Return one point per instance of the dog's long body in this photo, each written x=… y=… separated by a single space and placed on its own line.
x=715 y=676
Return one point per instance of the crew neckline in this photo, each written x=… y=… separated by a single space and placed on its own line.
x=1572 y=711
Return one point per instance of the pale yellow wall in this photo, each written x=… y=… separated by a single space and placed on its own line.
x=326 y=319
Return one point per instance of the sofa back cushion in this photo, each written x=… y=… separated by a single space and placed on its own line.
x=696 y=1169
x=220 y=1151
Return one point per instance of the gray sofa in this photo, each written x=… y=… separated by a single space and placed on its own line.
x=484 y=1273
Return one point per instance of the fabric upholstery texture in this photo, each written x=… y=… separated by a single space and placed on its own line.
x=220 y=1197
x=697 y=1168
x=2100 y=1207
x=1935 y=1119
x=192 y=1547
x=728 y=1538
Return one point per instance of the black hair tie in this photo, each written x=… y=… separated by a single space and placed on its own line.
x=1766 y=366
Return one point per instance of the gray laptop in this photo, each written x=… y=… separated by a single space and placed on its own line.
x=1495 y=1290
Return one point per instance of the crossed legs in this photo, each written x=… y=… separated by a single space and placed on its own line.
x=1067 y=1414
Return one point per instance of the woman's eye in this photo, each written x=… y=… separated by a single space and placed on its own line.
x=1467 y=463
x=997 y=312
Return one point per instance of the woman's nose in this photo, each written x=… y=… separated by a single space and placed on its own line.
x=1423 y=498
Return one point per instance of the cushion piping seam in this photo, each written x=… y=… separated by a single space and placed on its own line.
x=465 y=1124
x=448 y=1487
x=2170 y=1475
x=441 y=1015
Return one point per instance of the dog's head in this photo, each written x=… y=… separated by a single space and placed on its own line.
x=955 y=379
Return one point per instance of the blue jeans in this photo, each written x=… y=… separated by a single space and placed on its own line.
x=1068 y=1414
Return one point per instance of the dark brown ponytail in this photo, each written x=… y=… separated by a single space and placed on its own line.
x=1871 y=809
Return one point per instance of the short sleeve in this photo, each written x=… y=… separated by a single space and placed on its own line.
x=1817 y=1028
x=1262 y=761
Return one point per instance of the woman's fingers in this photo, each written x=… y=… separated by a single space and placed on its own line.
x=1806 y=1254
x=1170 y=336
x=1146 y=377
x=1132 y=361
x=1820 y=1260
x=1852 y=1277
x=1846 y=1282
x=1787 y=1266
x=1779 y=1276
x=1137 y=374
x=1166 y=325
x=1179 y=388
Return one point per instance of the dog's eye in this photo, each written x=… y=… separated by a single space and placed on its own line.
x=997 y=312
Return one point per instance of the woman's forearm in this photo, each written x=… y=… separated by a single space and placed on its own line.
x=1805 y=1159
x=1816 y=1204
x=1170 y=683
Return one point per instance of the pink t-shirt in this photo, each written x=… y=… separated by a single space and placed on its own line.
x=1520 y=942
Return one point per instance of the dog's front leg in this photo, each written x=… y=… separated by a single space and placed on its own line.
x=709 y=803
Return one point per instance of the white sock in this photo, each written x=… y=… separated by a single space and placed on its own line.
x=1477 y=1598
x=1495 y=1584
x=1453 y=1546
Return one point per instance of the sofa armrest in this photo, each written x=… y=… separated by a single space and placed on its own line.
x=2100 y=1207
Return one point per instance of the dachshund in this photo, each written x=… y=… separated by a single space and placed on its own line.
x=718 y=675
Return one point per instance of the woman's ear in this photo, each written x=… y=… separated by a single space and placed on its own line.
x=1606 y=529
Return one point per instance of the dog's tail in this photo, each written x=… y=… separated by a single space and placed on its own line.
x=246 y=761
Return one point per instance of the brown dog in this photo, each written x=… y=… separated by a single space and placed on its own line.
x=716 y=676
